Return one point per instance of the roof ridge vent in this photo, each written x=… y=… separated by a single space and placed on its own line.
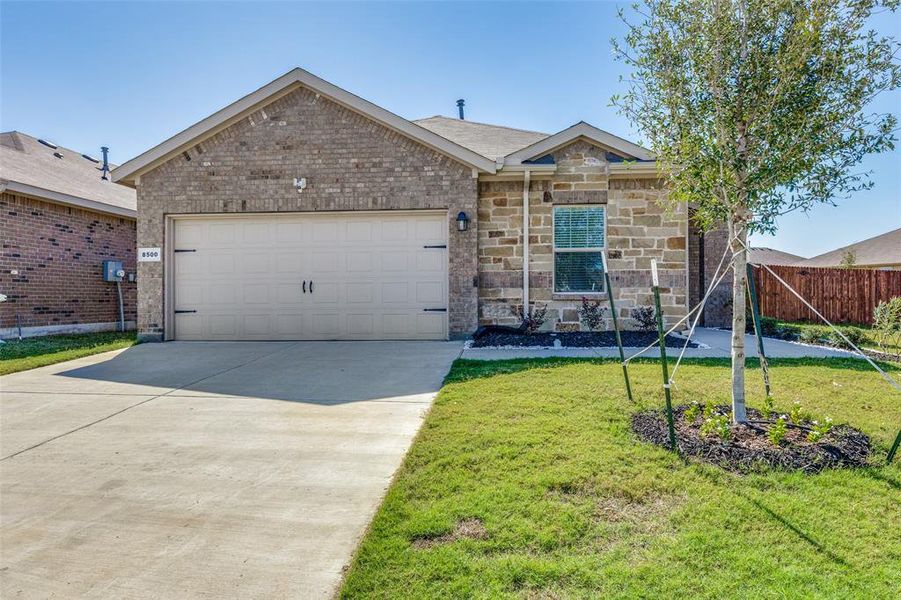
x=48 y=144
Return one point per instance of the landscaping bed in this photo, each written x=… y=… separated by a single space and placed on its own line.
x=749 y=447
x=573 y=339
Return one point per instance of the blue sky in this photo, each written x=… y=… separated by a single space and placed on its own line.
x=130 y=74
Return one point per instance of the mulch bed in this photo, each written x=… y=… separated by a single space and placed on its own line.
x=574 y=339
x=749 y=448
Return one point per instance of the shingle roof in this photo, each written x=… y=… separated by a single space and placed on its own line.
x=24 y=160
x=884 y=249
x=770 y=256
x=491 y=141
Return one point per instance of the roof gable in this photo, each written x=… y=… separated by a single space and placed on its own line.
x=128 y=172
x=580 y=130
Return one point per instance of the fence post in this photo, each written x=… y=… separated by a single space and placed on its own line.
x=758 y=332
x=661 y=335
x=619 y=341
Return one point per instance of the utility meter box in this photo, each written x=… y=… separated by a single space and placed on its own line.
x=113 y=270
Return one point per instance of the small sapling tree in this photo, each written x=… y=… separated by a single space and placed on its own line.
x=755 y=108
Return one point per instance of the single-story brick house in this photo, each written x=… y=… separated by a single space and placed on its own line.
x=61 y=218
x=302 y=211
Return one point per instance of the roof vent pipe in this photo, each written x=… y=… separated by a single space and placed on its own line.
x=104 y=150
x=460 y=104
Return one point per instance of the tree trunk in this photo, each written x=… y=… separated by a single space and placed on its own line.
x=737 y=237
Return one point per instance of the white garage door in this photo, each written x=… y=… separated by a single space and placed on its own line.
x=361 y=276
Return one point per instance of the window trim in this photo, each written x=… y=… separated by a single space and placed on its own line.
x=601 y=249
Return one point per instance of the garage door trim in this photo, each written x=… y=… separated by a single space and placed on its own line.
x=169 y=250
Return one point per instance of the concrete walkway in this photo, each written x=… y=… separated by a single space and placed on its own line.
x=215 y=470
x=719 y=344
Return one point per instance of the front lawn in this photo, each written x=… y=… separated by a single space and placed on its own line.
x=29 y=353
x=526 y=481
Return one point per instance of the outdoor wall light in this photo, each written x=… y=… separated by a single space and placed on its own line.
x=462 y=221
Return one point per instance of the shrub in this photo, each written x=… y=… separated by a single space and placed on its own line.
x=811 y=335
x=534 y=319
x=769 y=326
x=854 y=334
x=644 y=317
x=797 y=414
x=767 y=407
x=692 y=412
x=819 y=430
x=592 y=314
x=887 y=320
x=777 y=431
x=717 y=425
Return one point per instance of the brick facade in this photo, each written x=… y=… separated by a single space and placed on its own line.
x=707 y=248
x=638 y=229
x=57 y=251
x=350 y=163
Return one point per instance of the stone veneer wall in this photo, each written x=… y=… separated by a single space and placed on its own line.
x=638 y=229
x=350 y=162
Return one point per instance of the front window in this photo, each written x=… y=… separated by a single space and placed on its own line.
x=579 y=239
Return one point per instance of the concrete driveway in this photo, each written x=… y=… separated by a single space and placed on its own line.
x=214 y=470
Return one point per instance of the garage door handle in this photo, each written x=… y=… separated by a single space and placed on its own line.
x=311 y=286
x=436 y=246
x=181 y=312
x=305 y=286
x=434 y=310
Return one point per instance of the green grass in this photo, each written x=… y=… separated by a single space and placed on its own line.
x=29 y=353
x=575 y=506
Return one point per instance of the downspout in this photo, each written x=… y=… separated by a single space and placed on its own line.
x=526 y=183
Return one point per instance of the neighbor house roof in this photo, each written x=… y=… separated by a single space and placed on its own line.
x=34 y=168
x=485 y=148
x=770 y=256
x=884 y=249
x=491 y=141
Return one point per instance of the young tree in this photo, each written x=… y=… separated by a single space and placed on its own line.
x=756 y=108
x=849 y=259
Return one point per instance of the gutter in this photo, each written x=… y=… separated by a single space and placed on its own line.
x=526 y=183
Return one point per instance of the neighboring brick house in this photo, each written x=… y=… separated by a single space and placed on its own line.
x=59 y=221
x=305 y=212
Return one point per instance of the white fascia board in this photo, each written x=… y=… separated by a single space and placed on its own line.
x=59 y=198
x=126 y=172
x=569 y=135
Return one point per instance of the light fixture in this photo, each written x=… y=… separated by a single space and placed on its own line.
x=462 y=221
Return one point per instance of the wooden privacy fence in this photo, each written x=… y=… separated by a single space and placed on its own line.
x=841 y=295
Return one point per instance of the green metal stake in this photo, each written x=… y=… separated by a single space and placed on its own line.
x=891 y=453
x=619 y=341
x=662 y=337
x=758 y=332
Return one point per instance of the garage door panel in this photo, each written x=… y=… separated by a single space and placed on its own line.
x=396 y=261
x=430 y=324
x=324 y=262
x=371 y=277
x=324 y=231
x=215 y=294
x=223 y=234
x=220 y=264
x=222 y=325
x=359 y=262
x=256 y=233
